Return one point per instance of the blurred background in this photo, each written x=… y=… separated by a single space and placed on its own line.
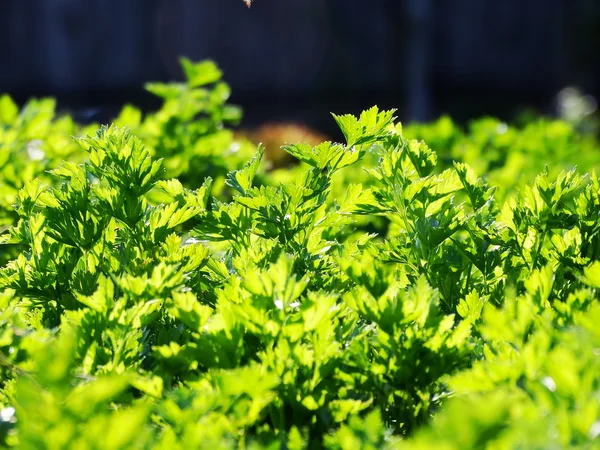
x=297 y=60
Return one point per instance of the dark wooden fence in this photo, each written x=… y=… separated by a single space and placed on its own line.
x=293 y=55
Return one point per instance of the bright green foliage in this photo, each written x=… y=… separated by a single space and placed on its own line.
x=536 y=388
x=377 y=295
x=189 y=130
x=32 y=141
x=510 y=157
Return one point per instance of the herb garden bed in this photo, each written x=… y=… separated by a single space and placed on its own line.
x=424 y=287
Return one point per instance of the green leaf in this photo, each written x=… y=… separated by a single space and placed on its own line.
x=591 y=275
x=422 y=157
x=241 y=180
x=201 y=73
x=371 y=126
x=8 y=109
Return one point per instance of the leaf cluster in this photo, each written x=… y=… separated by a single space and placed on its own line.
x=374 y=296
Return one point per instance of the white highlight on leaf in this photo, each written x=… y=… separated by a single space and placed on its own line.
x=7 y=414
x=594 y=430
x=34 y=150
x=549 y=383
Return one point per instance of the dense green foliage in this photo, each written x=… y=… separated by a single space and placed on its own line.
x=162 y=289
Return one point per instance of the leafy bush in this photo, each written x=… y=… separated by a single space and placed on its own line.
x=376 y=295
